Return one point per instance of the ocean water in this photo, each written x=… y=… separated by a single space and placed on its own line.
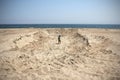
x=59 y=26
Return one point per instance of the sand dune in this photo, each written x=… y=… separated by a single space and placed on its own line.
x=84 y=54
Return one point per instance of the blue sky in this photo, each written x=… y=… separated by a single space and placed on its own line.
x=59 y=11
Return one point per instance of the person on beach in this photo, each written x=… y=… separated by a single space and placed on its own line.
x=59 y=40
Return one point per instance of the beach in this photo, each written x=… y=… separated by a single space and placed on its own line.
x=83 y=54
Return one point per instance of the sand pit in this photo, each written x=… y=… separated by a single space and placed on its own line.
x=84 y=54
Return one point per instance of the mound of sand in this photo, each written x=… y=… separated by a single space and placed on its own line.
x=84 y=54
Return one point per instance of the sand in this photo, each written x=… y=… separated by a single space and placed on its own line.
x=84 y=54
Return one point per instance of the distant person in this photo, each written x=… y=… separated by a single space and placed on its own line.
x=59 y=40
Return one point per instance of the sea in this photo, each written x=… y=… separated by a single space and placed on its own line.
x=111 y=26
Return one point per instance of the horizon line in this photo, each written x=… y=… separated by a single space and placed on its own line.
x=54 y=24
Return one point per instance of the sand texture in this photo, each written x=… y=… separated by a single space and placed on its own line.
x=84 y=54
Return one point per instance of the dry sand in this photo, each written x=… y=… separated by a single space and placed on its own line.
x=84 y=54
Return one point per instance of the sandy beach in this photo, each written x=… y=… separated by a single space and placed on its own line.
x=84 y=54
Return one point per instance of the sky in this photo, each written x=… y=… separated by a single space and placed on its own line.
x=59 y=11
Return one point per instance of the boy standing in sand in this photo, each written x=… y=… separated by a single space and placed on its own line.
x=59 y=40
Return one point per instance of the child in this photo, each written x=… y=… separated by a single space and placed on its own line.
x=59 y=40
